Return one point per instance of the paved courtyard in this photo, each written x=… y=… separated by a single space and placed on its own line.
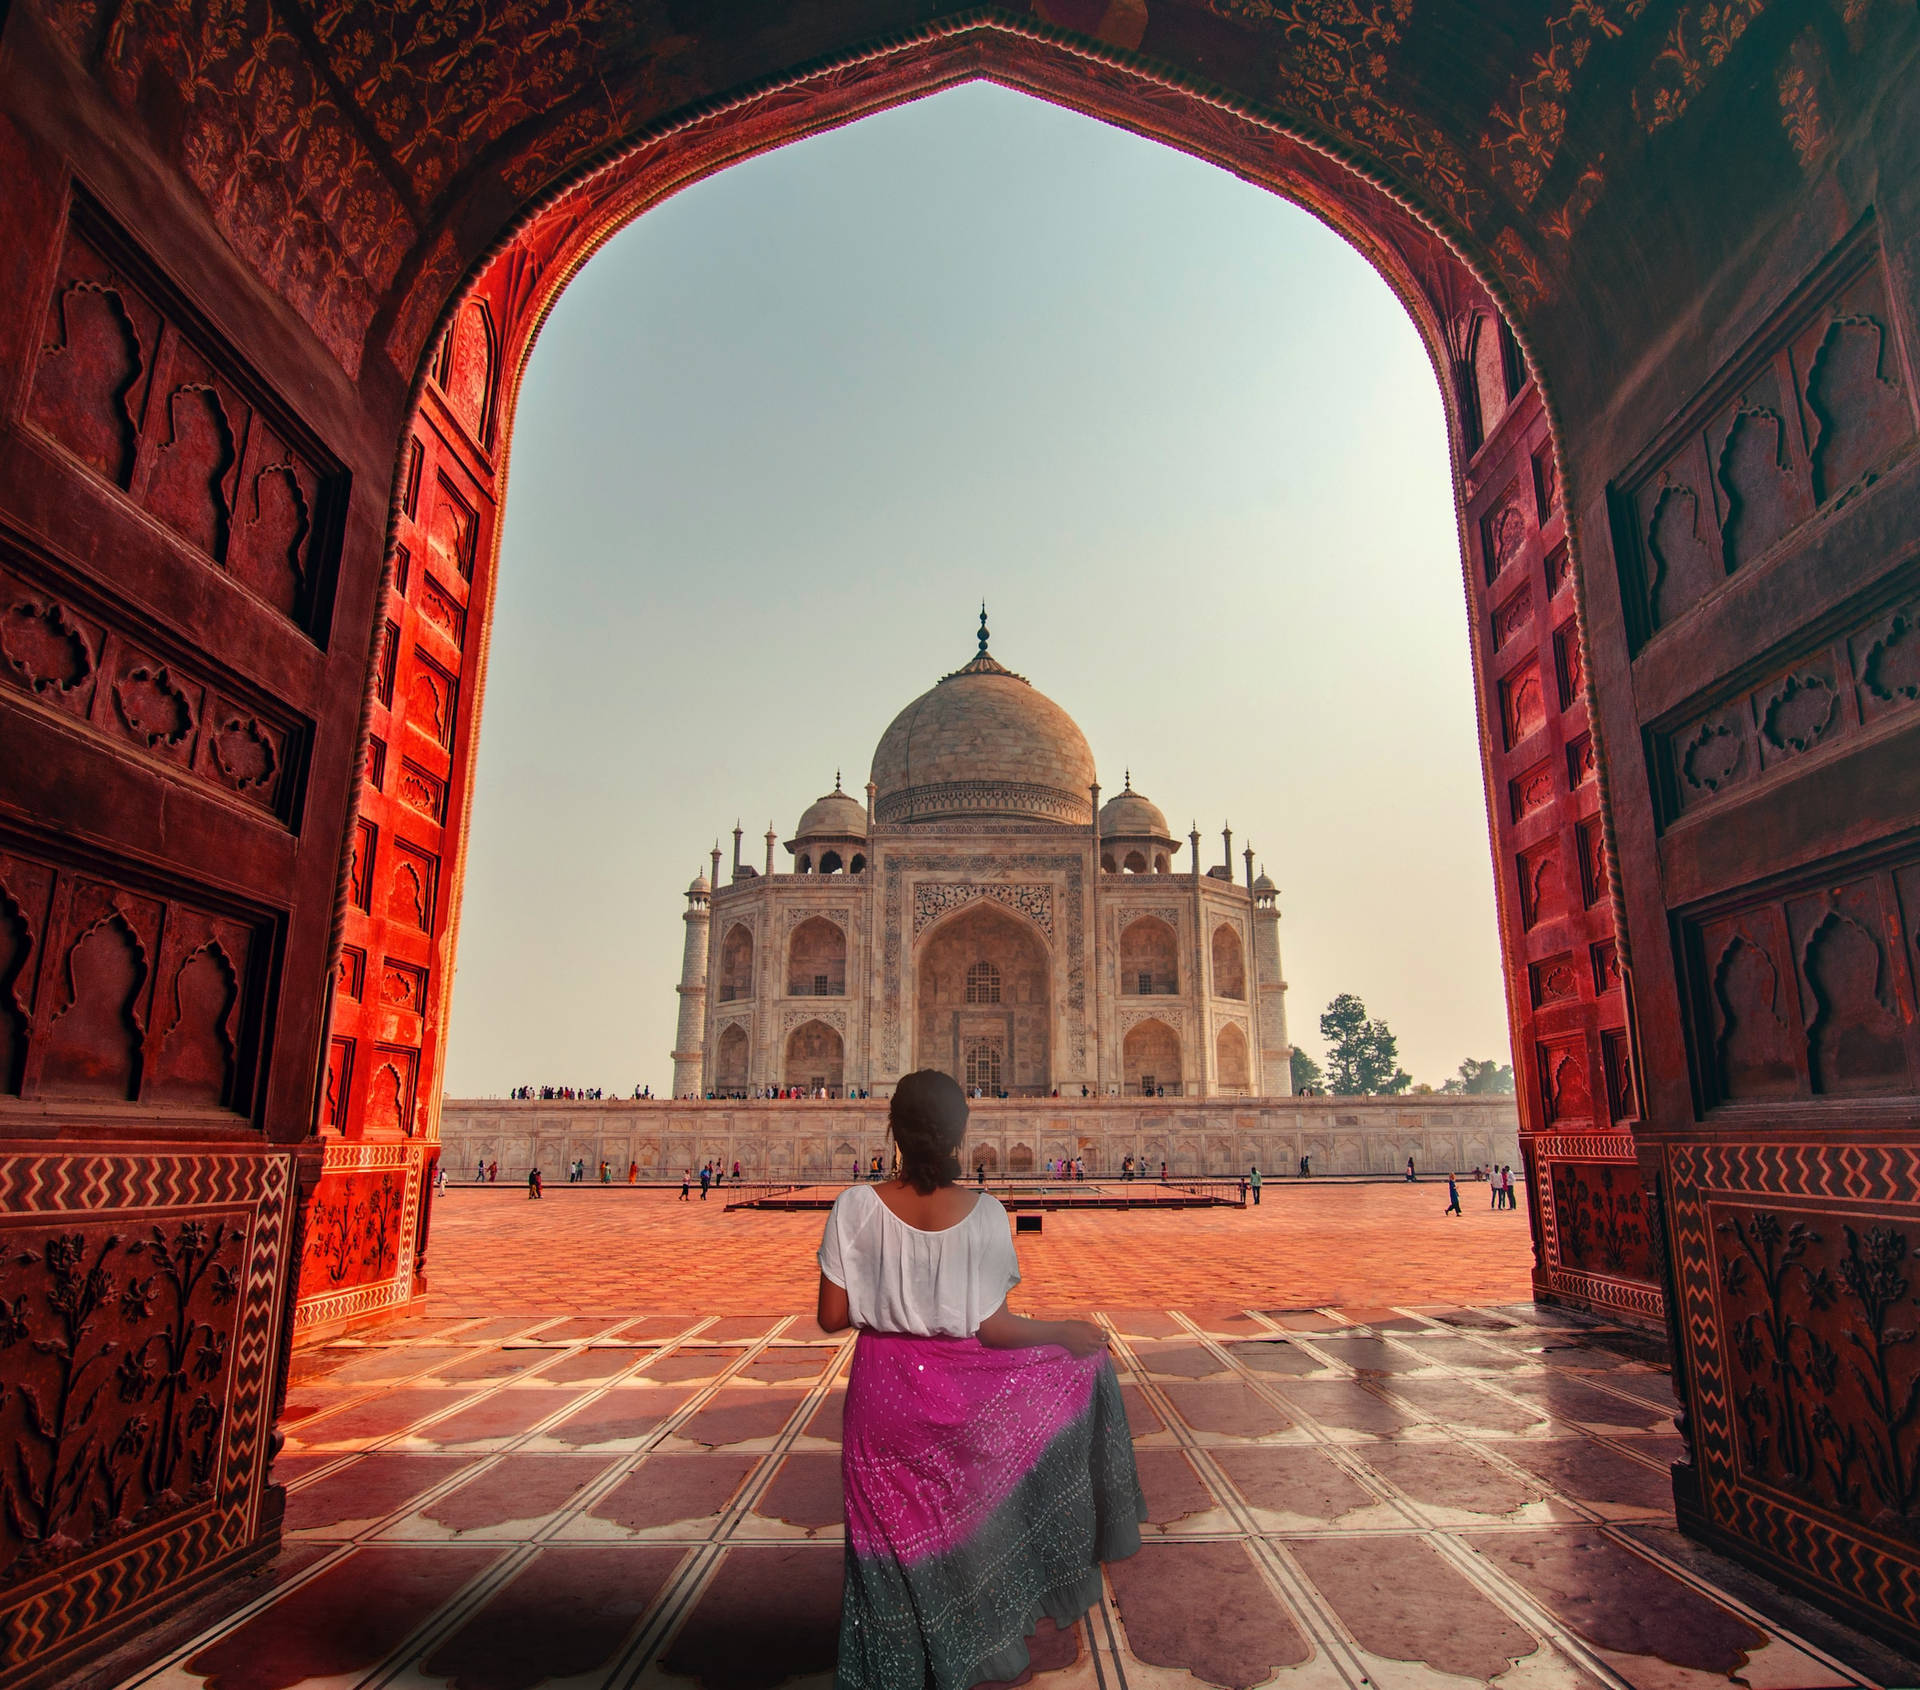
x=606 y=1454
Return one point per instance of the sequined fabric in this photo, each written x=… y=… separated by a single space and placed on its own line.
x=984 y=1488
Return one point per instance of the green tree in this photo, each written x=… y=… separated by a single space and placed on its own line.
x=1481 y=1079
x=1362 y=1055
x=1306 y=1072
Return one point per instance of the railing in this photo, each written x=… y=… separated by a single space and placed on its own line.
x=743 y=1193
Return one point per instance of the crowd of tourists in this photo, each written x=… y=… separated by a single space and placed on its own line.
x=770 y=1094
x=570 y=1094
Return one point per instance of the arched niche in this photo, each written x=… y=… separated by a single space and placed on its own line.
x=983 y=993
x=815 y=1058
x=817 y=959
x=1150 y=1059
x=1149 y=958
x=736 y=963
x=1231 y=1070
x=1229 y=963
x=730 y=1059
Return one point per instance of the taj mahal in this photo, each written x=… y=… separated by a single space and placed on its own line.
x=984 y=913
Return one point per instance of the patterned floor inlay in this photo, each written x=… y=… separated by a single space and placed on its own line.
x=1357 y=1495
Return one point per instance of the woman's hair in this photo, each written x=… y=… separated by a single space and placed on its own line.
x=928 y=1120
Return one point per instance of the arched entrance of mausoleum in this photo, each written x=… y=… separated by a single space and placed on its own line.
x=983 y=1002
x=224 y=663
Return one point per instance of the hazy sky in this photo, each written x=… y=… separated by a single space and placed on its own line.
x=783 y=435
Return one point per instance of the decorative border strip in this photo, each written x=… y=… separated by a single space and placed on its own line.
x=49 y=1612
x=358 y=1157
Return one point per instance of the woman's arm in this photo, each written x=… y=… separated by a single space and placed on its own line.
x=832 y=1311
x=1005 y=1330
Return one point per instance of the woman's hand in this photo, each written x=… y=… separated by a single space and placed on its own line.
x=1082 y=1337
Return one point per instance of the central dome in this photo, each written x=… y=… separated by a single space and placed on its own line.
x=983 y=744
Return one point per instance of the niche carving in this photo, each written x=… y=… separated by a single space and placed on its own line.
x=47 y=648
x=1854 y=1042
x=16 y=946
x=1855 y=397
x=1542 y=892
x=1684 y=569
x=188 y=489
x=1523 y=709
x=94 y=1042
x=194 y=1066
x=1758 y=486
x=87 y=385
x=269 y=546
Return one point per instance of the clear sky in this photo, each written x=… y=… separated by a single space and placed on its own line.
x=783 y=434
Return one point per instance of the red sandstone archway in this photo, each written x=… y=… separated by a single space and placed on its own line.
x=241 y=716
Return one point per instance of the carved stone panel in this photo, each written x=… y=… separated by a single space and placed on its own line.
x=139 y=1300
x=168 y=416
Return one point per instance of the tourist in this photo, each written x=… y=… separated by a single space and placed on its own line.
x=1453 y=1198
x=480 y=1173
x=606 y=1171
x=533 y=1184
x=686 y=1179
x=736 y=1170
x=1410 y=1170
x=1163 y=1173
x=633 y=1172
x=1243 y=1191
x=980 y=1173
x=493 y=1172
x=1506 y=1185
x=1304 y=1169
x=1493 y=1186
x=706 y=1179
x=1253 y=1179
x=962 y=1419
x=440 y=1176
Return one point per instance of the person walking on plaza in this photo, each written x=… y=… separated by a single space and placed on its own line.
x=1410 y=1173
x=1493 y=1185
x=1506 y=1186
x=986 y=1459
x=533 y=1184
x=685 y=1181
x=1243 y=1191
x=1253 y=1179
x=706 y=1179
x=1453 y=1199
x=633 y=1173
x=1163 y=1173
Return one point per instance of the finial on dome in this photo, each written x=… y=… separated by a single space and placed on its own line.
x=1129 y=786
x=983 y=627
x=836 y=780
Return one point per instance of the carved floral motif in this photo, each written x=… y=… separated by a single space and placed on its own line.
x=118 y=1350
x=933 y=899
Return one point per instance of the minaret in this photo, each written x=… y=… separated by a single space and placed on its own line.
x=691 y=1039
x=1276 y=1055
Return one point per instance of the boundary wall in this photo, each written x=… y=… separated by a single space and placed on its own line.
x=823 y=1139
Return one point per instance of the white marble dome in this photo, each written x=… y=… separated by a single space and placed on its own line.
x=1128 y=815
x=983 y=744
x=836 y=816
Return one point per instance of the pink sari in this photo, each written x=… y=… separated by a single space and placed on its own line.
x=984 y=1488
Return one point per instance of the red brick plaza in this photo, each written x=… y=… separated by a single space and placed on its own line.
x=606 y=1455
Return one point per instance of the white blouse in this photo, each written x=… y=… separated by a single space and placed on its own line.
x=925 y=1284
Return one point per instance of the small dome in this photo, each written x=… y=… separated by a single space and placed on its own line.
x=699 y=887
x=836 y=816
x=983 y=743
x=1264 y=884
x=1127 y=815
